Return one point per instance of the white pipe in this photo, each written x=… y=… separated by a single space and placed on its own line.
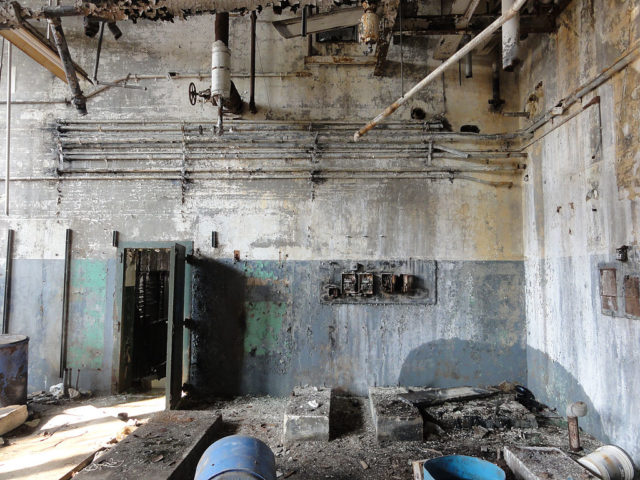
x=510 y=39
x=474 y=43
x=6 y=165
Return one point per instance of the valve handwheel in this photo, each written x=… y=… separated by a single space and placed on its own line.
x=193 y=94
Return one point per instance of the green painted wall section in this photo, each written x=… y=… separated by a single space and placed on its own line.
x=264 y=322
x=87 y=307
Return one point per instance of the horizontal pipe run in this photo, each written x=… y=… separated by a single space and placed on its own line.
x=473 y=43
x=447 y=177
x=324 y=171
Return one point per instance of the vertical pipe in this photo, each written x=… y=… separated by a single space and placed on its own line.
x=252 y=84
x=95 y=68
x=574 y=434
x=7 y=282
x=79 y=100
x=468 y=65
x=309 y=36
x=510 y=38
x=65 y=303
x=222 y=27
x=8 y=142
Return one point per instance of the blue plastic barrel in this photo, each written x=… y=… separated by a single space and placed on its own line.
x=461 y=467
x=14 y=364
x=237 y=457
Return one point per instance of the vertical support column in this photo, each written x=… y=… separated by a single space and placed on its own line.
x=8 y=267
x=510 y=38
x=7 y=164
x=65 y=302
x=252 y=85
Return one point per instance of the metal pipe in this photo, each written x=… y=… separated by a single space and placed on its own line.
x=252 y=81
x=7 y=163
x=65 y=302
x=95 y=68
x=510 y=39
x=78 y=99
x=475 y=42
x=7 y=282
x=309 y=36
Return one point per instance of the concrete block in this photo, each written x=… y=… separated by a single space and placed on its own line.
x=393 y=418
x=306 y=417
x=167 y=447
x=544 y=463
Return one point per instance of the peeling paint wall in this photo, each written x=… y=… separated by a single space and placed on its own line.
x=580 y=204
x=261 y=327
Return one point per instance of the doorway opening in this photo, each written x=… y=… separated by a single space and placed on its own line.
x=153 y=303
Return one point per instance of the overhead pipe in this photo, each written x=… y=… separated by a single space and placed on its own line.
x=79 y=100
x=7 y=163
x=252 y=82
x=474 y=43
x=510 y=39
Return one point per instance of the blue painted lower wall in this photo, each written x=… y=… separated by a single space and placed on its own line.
x=262 y=329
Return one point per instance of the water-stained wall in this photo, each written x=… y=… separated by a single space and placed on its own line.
x=260 y=325
x=580 y=204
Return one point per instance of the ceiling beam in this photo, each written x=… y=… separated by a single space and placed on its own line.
x=320 y=22
x=446 y=24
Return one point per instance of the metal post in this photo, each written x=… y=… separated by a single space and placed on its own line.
x=8 y=152
x=7 y=283
x=65 y=303
x=252 y=84
x=574 y=434
x=95 y=68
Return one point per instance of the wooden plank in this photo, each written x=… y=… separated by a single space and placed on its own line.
x=321 y=22
x=339 y=60
x=12 y=417
x=418 y=473
x=437 y=396
x=167 y=447
x=62 y=441
x=34 y=45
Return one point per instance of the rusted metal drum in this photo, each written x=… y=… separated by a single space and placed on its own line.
x=14 y=363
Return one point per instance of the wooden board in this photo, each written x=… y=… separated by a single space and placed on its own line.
x=167 y=447
x=68 y=436
x=12 y=417
x=437 y=396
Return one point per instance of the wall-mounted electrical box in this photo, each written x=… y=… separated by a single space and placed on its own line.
x=400 y=281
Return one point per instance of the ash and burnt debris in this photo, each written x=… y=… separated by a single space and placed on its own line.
x=12 y=14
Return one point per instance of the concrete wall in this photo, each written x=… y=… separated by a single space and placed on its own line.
x=580 y=204
x=261 y=327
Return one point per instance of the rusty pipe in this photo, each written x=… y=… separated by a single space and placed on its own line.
x=474 y=43
x=575 y=410
x=252 y=83
x=79 y=100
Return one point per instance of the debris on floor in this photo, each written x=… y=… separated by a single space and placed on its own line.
x=544 y=463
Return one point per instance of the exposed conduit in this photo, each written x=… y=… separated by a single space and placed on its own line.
x=474 y=43
x=8 y=142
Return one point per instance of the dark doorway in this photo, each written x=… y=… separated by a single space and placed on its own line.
x=154 y=300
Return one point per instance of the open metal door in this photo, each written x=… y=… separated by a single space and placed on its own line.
x=175 y=326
